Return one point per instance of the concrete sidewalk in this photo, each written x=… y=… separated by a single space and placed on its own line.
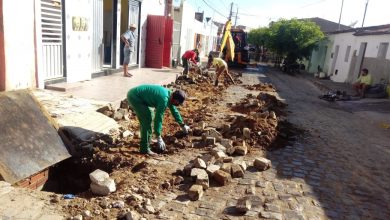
x=113 y=88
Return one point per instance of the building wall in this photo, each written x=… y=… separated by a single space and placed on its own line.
x=148 y=7
x=379 y=68
x=342 y=40
x=190 y=27
x=78 y=43
x=19 y=45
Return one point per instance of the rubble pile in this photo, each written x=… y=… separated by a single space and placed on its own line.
x=259 y=125
x=264 y=87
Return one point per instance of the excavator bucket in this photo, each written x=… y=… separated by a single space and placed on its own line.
x=29 y=142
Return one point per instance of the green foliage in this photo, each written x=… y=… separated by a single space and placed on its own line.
x=293 y=38
x=258 y=37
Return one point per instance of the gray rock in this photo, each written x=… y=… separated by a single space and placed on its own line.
x=86 y=213
x=212 y=168
x=199 y=163
x=210 y=140
x=118 y=204
x=77 y=217
x=103 y=188
x=98 y=176
x=203 y=180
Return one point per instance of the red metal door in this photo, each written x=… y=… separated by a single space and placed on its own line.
x=168 y=42
x=155 y=41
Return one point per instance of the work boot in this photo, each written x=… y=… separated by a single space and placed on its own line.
x=216 y=83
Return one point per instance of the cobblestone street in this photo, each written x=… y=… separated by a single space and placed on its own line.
x=336 y=170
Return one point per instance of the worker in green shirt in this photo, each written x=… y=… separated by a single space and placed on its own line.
x=362 y=83
x=145 y=97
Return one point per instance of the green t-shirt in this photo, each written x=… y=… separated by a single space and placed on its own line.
x=367 y=79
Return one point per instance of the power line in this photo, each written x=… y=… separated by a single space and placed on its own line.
x=214 y=9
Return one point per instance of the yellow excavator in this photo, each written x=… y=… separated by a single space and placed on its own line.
x=234 y=49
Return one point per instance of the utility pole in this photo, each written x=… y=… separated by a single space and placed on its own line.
x=341 y=11
x=235 y=22
x=364 y=16
x=231 y=11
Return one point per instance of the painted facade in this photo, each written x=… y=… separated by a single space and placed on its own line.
x=194 y=33
x=351 y=53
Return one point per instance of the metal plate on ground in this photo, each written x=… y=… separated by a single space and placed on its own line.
x=28 y=141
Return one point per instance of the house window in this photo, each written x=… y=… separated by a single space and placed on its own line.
x=347 y=53
x=382 y=50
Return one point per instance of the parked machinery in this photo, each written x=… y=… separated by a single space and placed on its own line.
x=234 y=48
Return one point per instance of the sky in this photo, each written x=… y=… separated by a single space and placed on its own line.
x=258 y=13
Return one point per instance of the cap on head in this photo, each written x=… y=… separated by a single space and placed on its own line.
x=179 y=95
x=132 y=26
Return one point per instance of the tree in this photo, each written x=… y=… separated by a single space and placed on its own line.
x=293 y=38
x=258 y=37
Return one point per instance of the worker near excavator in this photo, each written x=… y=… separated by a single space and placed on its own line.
x=189 y=56
x=143 y=99
x=221 y=67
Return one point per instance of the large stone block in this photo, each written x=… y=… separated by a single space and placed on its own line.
x=222 y=177
x=237 y=172
x=98 y=176
x=195 y=192
x=103 y=188
x=262 y=163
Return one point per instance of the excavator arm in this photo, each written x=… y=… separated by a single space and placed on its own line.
x=227 y=40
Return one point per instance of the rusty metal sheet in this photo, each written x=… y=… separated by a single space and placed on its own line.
x=28 y=141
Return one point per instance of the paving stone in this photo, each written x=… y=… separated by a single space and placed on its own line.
x=236 y=170
x=203 y=180
x=245 y=182
x=271 y=215
x=262 y=163
x=212 y=168
x=175 y=206
x=243 y=205
x=242 y=164
x=199 y=163
x=222 y=177
x=278 y=187
x=261 y=184
x=208 y=205
x=227 y=167
x=241 y=150
x=195 y=192
x=293 y=215
x=204 y=212
x=250 y=190
x=272 y=207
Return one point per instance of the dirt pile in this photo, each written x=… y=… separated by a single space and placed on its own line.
x=254 y=123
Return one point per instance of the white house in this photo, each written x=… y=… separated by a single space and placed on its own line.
x=192 y=32
x=69 y=41
x=359 y=48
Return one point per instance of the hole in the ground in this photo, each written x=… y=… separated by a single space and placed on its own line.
x=71 y=176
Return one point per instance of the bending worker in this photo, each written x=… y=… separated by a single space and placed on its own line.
x=220 y=68
x=189 y=56
x=144 y=97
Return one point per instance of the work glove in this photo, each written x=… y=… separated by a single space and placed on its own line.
x=160 y=144
x=185 y=128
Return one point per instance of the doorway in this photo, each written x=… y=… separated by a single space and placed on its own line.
x=357 y=63
x=109 y=32
x=130 y=15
